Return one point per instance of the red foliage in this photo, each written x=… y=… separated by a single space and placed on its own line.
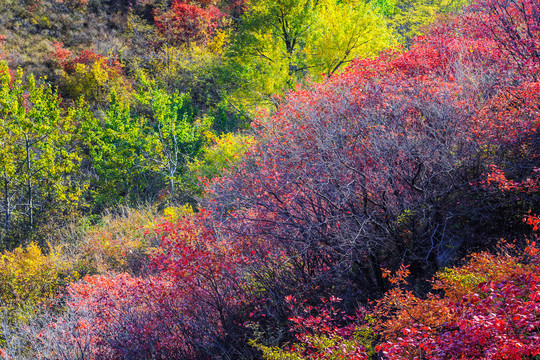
x=339 y=165
x=179 y=312
x=351 y=174
x=497 y=321
x=511 y=117
x=515 y=26
x=498 y=177
x=128 y=316
x=322 y=334
x=489 y=310
x=186 y=23
x=64 y=57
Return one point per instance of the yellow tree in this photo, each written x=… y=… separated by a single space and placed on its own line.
x=343 y=31
x=409 y=18
x=36 y=156
x=280 y=43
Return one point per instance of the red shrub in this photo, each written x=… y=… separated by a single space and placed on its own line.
x=497 y=320
x=186 y=23
x=515 y=26
x=68 y=62
x=182 y=311
x=345 y=173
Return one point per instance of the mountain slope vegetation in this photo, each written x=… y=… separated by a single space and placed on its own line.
x=291 y=179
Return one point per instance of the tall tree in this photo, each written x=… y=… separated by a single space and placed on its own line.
x=171 y=136
x=36 y=157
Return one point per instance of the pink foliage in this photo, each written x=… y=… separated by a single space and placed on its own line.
x=178 y=312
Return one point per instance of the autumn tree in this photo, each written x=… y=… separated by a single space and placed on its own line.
x=90 y=75
x=172 y=135
x=411 y=18
x=184 y=307
x=488 y=311
x=515 y=26
x=37 y=158
x=185 y=23
x=280 y=43
x=484 y=309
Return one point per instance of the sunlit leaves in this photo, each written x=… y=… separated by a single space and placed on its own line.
x=280 y=43
x=185 y=23
x=494 y=318
x=37 y=158
x=136 y=152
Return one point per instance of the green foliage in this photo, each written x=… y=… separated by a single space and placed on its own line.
x=223 y=154
x=190 y=68
x=280 y=43
x=229 y=119
x=321 y=346
x=137 y=150
x=172 y=134
x=342 y=31
x=94 y=82
x=115 y=144
x=409 y=18
x=37 y=157
x=275 y=353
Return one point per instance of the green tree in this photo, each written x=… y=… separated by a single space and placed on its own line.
x=346 y=30
x=172 y=136
x=223 y=154
x=410 y=17
x=283 y=42
x=115 y=144
x=37 y=155
x=139 y=150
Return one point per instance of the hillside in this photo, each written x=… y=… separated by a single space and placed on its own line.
x=291 y=179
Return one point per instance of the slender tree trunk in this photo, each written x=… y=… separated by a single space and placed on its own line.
x=6 y=210
x=29 y=185
x=171 y=183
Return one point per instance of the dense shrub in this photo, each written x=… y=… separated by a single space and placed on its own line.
x=90 y=75
x=186 y=23
x=184 y=309
x=29 y=278
x=366 y=168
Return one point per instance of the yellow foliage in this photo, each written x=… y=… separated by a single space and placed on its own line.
x=224 y=154
x=29 y=277
x=191 y=60
x=177 y=212
x=218 y=42
x=458 y=282
x=411 y=17
x=95 y=82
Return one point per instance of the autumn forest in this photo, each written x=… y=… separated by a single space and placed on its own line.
x=269 y=179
